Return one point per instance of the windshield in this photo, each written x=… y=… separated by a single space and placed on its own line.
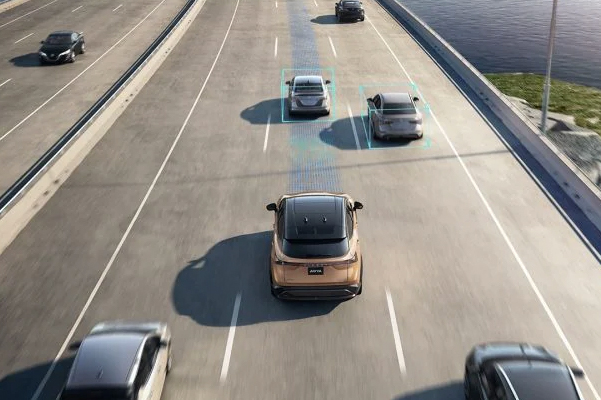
x=398 y=109
x=58 y=39
x=324 y=248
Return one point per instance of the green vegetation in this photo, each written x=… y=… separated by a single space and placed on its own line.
x=582 y=102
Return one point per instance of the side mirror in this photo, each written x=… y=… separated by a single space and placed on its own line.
x=74 y=346
x=578 y=373
x=287 y=82
x=328 y=82
x=370 y=100
x=357 y=206
x=271 y=207
x=416 y=99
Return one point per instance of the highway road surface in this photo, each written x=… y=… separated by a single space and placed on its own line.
x=39 y=103
x=166 y=220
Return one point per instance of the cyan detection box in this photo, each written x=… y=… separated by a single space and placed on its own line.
x=287 y=74
x=370 y=90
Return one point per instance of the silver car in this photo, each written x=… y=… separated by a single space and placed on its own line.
x=394 y=115
x=120 y=360
x=308 y=94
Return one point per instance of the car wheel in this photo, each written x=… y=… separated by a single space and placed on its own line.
x=169 y=361
x=72 y=59
x=361 y=279
x=373 y=132
x=83 y=48
x=362 y=19
x=466 y=387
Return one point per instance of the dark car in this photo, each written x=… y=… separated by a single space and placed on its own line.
x=315 y=252
x=349 y=10
x=61 y=46
x=120 y=360
x=518 y=371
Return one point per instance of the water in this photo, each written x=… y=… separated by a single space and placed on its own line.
x=512 y=35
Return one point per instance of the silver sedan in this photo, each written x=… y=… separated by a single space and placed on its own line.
x=308 y=94
x=394 y=115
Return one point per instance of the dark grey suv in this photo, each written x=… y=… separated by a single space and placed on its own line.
x=518 y=371
x=349 y=10
x=120 y=360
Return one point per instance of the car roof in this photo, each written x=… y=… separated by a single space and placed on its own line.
x=540 y=380
x=311 y=79
x=395 y=97
x=61 y=33
x=105 y=360
x=315 y=217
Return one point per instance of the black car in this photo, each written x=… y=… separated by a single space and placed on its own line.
x=349 y=9
x=62 y=46
x=518 y=371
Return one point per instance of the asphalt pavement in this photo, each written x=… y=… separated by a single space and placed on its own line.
x=165 y=219
x=39 y=103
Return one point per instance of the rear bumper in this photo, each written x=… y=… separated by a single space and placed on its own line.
x=407 y=134
x=334 y=292
x=295 y=109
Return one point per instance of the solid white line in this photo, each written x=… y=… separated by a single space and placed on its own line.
x=315 y=1
x=26 y=14
x=332 y=45
x=275 y=50
x=230 y=340
x=276 y=3
x=118 y=7
x=133 y=220
x=266 y=133
x=508 y=242
x=5 y=82
x=350 y=113
x=77 y=8
x=80 y=74
x=24 y=37
x=395 y=333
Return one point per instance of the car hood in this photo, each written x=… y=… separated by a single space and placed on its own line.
x=57 y=49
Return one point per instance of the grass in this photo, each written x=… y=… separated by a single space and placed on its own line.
x=582 y=102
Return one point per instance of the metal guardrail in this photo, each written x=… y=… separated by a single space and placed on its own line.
x=48 y=157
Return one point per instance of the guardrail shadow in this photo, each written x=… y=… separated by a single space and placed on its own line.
x=21 y=385
x=205 y=290
x=26 y=60
x=449 y=391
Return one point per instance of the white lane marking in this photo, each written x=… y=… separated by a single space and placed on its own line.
x=133 y=220
x=315 y=1
x=80 y=74
x=350 y=114
x=118 y=7
x=24 y=37
x=395 y=333
x=266 y=133
x=276 y=3
x=5 y=82
x=26 y=14
x=332 y=45
x=275 y=50
x=76 y=9
x=230 y=340
x=508 y=242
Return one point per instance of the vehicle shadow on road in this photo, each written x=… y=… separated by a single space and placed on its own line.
x=258 y=114
x=325 y=20
x=448 y=391
x=26 y=60
x=206 y=289
x=21 y=385
x=340 y=134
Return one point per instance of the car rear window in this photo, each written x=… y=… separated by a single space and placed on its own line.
x=308 y=86
x=323 y=248
x=351 y=4
x=398 y=109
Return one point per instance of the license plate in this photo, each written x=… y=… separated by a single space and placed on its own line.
x=315 y=270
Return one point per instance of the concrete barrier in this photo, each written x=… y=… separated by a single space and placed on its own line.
x=50 y=180
x=567 y=175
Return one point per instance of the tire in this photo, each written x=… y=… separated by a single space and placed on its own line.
x=72 y=59
x=169 y=361
x=83 y=48
x=362 y=19
x=373 y=132
x=361 y=279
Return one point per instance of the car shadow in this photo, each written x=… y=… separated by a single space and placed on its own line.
x=26 y=60
x=340 y=134
x=325 y=20
x=206 y=289
x=22 y=385
x=258 y=114
x=448 y=391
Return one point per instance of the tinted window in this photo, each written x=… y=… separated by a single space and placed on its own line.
x=308 y=86
x=315 y=248
x=398 y=108
x=543 y=382
x=58 y=39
